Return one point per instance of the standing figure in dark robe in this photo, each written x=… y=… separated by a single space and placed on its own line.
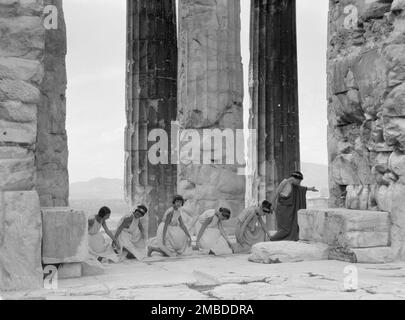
x=290 y=197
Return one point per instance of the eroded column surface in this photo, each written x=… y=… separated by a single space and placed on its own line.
x=274 y=93
x=366 y=97
x=51 y=153
x=210 y=97
x=22 y=44
x=151 y=102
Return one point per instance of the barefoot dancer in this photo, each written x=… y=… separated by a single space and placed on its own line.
x=250 y=228
x=172 y=237
x=99 y=247
x=131 y=235
x=290 y=197
x=212 y=236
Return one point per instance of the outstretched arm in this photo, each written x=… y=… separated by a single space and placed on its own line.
x=168 y=220
x=108 y=231
x=184 y=228
x=223 y=233
x=313 y=189
x=142 y=230
x=264 y=227
x=202 y=230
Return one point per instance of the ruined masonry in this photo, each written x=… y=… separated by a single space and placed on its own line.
x=195 y=76
x=366 y=109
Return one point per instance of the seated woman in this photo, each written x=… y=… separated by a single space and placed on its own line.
x=131 y=235
x=211 y=235
x=172 y=237
x=250 y=228
x=99 y=247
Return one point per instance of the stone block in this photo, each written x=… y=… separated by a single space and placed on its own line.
x=394 y=105
x=345 y=228
x=65 y=237
x=21 y=69
x=20 y=241
x=369 y=71
x=19 y=90
x=394 y=132
x=18 y=112
x=17 y=174
x=374 y=255
x=13 y=132
x=351 y=169
x=69 y=271
x=92 y=268
x=25 y=37
x=288 y=251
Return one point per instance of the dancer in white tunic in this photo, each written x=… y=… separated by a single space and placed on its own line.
x=211 y=235
x=131 y=235
x=172 y=237
x=99 y=247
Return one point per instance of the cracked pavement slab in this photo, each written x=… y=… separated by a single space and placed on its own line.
x=230 y=278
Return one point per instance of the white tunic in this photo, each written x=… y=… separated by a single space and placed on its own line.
x=212 y=239
x=131 y=238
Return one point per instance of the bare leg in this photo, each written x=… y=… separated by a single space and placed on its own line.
x=156 y=249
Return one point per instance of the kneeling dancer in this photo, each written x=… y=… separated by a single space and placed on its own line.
x=250 y=228
x=172 y=238
x=212 y=236
x=131 y=235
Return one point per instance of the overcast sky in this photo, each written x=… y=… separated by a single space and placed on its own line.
x=96 y=83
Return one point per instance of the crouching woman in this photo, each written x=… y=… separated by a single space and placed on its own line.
x=212 y=237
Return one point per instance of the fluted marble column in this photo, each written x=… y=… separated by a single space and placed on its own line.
x=151 y=102
x=210 y=96
x=274 y=92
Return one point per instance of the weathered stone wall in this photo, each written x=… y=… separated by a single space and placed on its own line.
x=52 y=150
x=366 y=96
x=22 y=44
x=210 y=93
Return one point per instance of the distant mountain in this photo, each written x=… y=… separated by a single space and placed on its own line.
x=95 y=192
x=99 y=188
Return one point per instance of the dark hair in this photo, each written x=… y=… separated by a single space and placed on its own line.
x=297 y=175
x=179 y=198
x=267 y=205
x=225 y=212
x=104 y=211
x=142 y=210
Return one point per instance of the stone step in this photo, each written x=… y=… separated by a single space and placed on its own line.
x=345 y=228
x=288 y=251
x=363 y=255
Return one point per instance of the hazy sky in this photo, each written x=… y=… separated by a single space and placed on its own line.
x=96 y=83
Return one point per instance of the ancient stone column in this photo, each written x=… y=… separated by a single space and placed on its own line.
x=274 y=93
x=151 y=102
x=210 y=97
x=51 y=154
x=22 y=44
x=366 y=114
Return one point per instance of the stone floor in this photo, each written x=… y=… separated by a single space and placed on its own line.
x=231 y=277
